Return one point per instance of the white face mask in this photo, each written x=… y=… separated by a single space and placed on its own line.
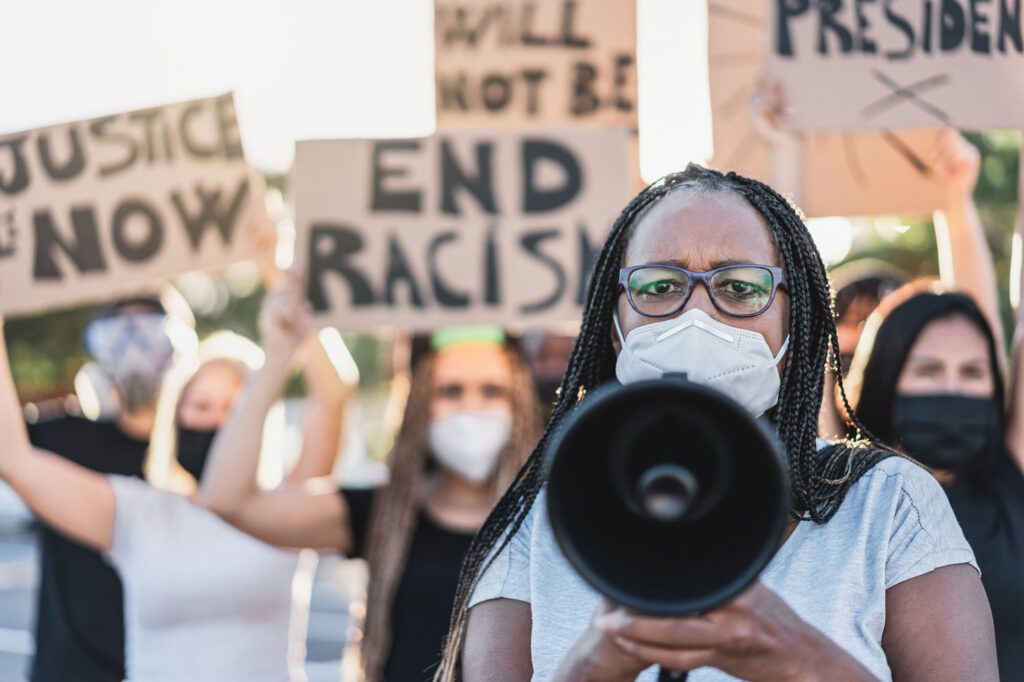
x=737 y=362
x=470 y=443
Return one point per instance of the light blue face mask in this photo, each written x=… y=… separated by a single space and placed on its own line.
x=134 y=350
x=737 y=362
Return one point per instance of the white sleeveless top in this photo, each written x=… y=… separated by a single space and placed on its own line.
x=894 y=524
x=203 y=601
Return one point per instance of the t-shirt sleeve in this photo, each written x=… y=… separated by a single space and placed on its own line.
x=134 y=515
x=925 y=534
x=508 y=576
x=360 y=505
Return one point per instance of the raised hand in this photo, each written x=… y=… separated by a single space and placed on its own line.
x=260 y=228
x=285 y=318
x=955 y=163
x=770 y=111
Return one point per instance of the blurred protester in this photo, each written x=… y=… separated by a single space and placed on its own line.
x=965 y=264
x=927 y=379
x=547 y=353
x=79 y=626
x=860 y=285
x=469 y=421
x=202 y=600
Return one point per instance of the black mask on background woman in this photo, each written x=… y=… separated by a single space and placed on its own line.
x=945 y=431
x=193 y=449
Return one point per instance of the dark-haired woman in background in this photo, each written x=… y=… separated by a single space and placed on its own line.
x=874 y=579
x=927 y=378
x=965 y=263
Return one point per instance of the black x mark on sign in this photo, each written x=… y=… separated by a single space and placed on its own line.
x=909 y=94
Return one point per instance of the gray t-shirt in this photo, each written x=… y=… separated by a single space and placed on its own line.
x=204 y=602
x=895 y=524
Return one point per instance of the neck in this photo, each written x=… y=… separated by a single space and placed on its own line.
x=138 y=424
x=457 y=491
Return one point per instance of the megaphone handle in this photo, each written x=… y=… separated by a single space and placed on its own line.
x=671 y=675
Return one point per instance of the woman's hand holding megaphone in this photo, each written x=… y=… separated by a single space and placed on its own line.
x=755 y=637
x=597 y=657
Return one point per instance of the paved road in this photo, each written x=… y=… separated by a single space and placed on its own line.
x=18 y=576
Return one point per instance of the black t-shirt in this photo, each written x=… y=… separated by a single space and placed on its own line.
x=80 y=614
x=993 y=523
x=425 y=594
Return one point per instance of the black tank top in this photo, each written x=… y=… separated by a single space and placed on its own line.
x=425 y=593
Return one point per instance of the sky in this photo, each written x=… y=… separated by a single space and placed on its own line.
x=304 y=69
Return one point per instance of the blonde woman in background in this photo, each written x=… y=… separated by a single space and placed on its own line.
x=203 y=602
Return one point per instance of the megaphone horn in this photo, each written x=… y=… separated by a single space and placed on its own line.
x=666 y=496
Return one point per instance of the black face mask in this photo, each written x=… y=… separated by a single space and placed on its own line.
x=193 y=449
x=945 y=431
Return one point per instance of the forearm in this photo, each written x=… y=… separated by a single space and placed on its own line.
x=230 y=474
x=1015 y=428
x=330 y=373
x=16 y=444
x=965 y=260
x=1017 y=266
x=331 y=377
x=70 y=499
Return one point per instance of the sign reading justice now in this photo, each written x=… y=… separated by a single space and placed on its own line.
x=94 y=208
x=467 y=227
x=899 y=63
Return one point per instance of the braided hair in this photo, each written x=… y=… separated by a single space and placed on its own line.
x=819 y=479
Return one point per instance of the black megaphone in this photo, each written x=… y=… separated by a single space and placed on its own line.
x=667 y=496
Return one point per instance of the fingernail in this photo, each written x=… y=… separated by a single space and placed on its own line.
x=625 y=643
x=612 y=620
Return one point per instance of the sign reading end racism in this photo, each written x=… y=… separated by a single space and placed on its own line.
x=468 y=227
x=93 y=208
x=899 y=63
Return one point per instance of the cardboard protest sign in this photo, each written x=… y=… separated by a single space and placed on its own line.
x=558 y=62
x=94 y=208
x=830 y=173
x=474 y=226
x=899 y=63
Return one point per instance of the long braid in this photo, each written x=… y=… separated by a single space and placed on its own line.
x=393 y=521
x=819 y=480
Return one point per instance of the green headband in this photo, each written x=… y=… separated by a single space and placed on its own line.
x=451 y=336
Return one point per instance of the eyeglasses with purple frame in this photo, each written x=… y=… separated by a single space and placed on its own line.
x=778 y=280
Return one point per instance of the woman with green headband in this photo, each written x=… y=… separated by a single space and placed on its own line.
x=470 y=420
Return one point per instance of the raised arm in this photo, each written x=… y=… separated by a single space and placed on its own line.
x=1015 y=426
x=331 y=377
x=309 y=513
x=71 y=499
x=965 y=260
